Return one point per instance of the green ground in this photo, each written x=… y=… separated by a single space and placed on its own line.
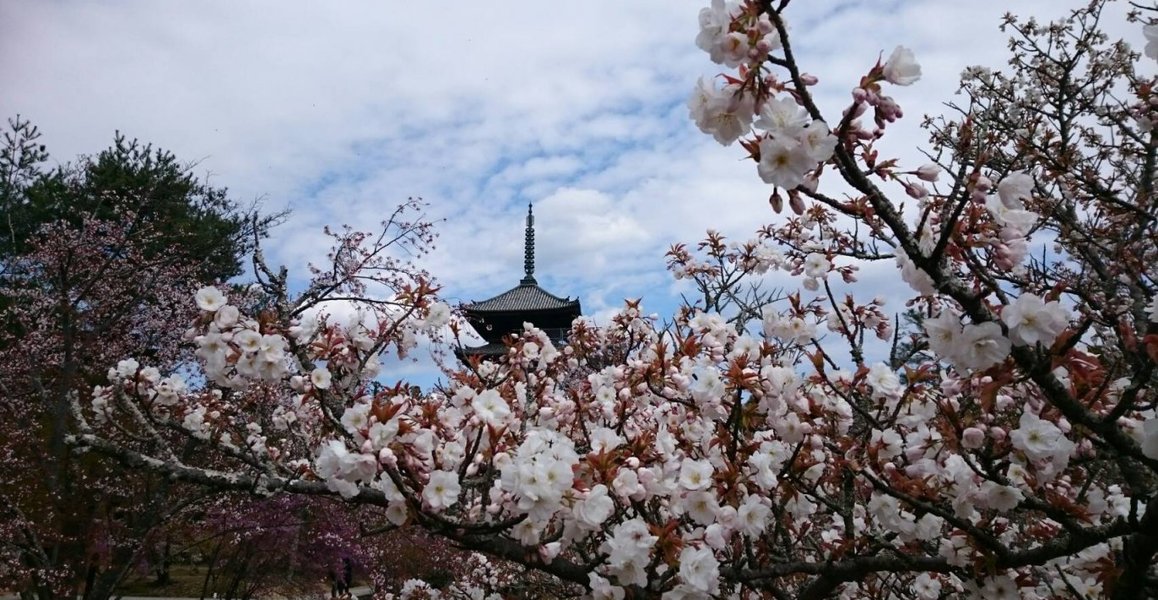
x=186 y=583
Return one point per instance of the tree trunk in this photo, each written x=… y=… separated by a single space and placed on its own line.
x=162 y=568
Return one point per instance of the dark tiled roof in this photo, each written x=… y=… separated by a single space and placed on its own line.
x=525 y=297
x=487 y=350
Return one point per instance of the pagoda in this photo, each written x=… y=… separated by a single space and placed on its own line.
x=504 y=315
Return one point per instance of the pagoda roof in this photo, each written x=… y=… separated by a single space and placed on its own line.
x=489 y=350
x=527 y=296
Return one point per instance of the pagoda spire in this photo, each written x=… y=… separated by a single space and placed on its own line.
x=529 y=249
x=497 y=319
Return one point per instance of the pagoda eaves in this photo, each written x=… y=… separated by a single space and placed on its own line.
x=504 y=314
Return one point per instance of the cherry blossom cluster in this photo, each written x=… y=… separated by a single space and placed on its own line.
x=789 y=143
x=482 y=579
x=645 y=448
x=758 y=443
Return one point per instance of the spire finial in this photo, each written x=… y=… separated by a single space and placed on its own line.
x=529 y=249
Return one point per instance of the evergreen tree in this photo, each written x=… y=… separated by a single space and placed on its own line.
x=196 y=221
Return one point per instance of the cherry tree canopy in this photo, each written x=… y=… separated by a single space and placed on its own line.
x=746 y=448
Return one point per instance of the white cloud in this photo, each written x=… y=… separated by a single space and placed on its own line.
x=341 y=111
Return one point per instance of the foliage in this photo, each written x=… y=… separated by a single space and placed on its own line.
x=192 y=218
x=1017 y=457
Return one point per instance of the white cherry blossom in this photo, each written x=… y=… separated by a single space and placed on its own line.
x=725 y=113
x=210 y=299
x=699 y=569
x=491 y=408
x=320 y=378
x=695 y=474
x=1015 y=189
x=902 y=67
x=982 y=346
x=441 y=490
x=1032 y=320
x=784 y=161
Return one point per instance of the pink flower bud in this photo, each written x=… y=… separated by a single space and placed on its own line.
x=972 y=438
x=795 y=202
x=776 y=201
x=916 y=190
x=888 y=109
x=929 y=172
x=809 y=79
x=860 y=95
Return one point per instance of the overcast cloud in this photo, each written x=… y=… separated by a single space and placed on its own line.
x=338 y=111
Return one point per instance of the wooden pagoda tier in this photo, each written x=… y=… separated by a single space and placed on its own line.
x=504 y=315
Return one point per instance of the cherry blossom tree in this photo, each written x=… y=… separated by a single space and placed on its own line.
x=79 y=299
x=1014 y=454
x=291 y=545
x=96 y=262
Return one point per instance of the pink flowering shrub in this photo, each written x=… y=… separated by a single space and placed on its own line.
x=78 y=298
x=748 y=448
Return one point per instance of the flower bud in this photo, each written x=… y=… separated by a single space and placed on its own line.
x=929 y=172
x=795 y=202
x=972 y=438
x=916 y=190
x=776 y=201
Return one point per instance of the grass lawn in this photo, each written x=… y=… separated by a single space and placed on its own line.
x=186 y=583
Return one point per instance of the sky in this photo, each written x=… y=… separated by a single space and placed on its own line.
x=339 y=111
